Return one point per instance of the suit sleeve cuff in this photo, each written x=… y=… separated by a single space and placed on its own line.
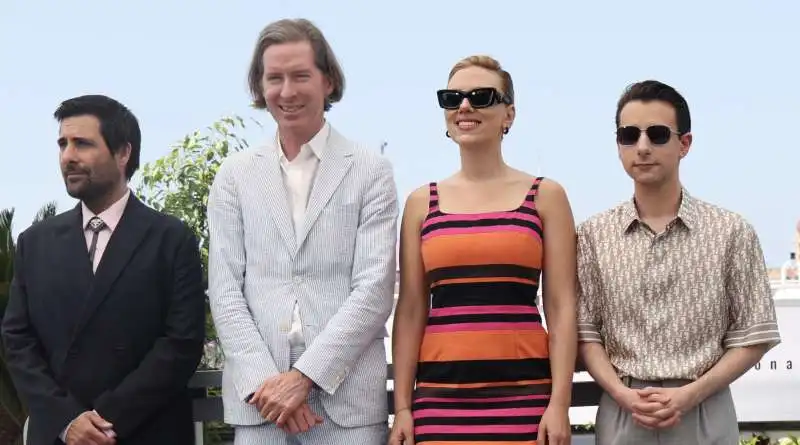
x=248 y=378
x=317 y=375
x=761 y=333
x=314 y=384
x=63 y=435
x=247 y=388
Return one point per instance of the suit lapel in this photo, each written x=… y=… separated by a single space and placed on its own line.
x=333 y=166
x=127 y=237
x=72 y=256
x=273 y=190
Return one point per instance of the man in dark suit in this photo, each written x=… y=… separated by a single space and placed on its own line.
x=105 y=323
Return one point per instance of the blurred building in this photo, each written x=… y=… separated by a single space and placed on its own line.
x=789 y=269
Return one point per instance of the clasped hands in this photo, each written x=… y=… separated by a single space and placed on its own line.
x=657 y=407
x=283 y=400
x=90 y=429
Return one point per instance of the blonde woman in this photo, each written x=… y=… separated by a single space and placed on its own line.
x=473 y=363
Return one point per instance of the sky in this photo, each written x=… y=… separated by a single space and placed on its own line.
x=181 y=65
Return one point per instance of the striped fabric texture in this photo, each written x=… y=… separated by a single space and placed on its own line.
x=326 y=433
x=340 y=271
x=484 y=373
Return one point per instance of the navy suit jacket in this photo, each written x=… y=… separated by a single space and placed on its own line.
x=123 y=341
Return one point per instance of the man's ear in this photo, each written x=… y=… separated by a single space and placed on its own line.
x=123 y=155
x=686 y=144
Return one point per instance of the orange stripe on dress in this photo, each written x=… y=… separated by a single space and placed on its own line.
x=483 y=345
x=484 y=248
x=483 y=280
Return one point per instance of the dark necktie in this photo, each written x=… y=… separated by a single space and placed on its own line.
x=95 y=225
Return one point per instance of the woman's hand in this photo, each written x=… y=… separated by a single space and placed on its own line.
x=554 y=428
x=402 y=429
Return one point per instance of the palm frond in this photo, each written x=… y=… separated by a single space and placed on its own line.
x=6 y=226
x=46 y=211
x=12 y=413
x=6 y=253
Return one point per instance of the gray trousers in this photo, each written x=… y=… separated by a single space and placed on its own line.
x=326 y=433
x=712 y=422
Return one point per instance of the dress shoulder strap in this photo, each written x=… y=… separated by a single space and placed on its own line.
x=433 y=200
x=530 y=198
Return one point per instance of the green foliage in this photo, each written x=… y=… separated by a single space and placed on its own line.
x=6 y=255
x=760 y=439
x=46 y=211
x=7 y=247
x=755 y=439
x=179 y=183
x=12 y=411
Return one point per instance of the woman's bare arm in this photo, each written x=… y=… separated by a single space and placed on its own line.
x=411 y=313
x=559 y=285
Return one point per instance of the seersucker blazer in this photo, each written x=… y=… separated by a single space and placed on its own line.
x=340 y=271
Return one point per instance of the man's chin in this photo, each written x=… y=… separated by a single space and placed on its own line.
x=77 y=191
x=293 y=122
x=648 y=180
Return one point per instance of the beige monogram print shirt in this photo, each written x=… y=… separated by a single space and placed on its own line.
x=666 y=306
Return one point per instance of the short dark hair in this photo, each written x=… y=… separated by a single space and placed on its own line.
x=650 y=90
x=118 y=125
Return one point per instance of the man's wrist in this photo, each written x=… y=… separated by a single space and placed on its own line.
x=694 y=393
x=617 y=390
x=306 y=379
x=64 y=433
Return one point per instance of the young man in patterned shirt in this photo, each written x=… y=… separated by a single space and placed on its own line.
x=674 y=300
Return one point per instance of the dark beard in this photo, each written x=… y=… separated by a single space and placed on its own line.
x=92 y=191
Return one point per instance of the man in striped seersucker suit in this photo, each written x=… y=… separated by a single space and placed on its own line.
x=302 y=260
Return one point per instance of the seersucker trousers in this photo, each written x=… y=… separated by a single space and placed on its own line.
x=326 y=433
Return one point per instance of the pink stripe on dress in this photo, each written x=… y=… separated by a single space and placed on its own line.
x=497 y=412
x=482 y=400
x=476 y=429
x=512 y=214
x=486 y=229
x=492 y=309
x=496 y=326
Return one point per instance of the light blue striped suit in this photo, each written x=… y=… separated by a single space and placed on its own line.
x=340 y=271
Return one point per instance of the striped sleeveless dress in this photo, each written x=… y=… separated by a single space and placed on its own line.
x=484 y=370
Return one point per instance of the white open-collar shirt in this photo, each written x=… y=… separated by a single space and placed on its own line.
x=298 y=178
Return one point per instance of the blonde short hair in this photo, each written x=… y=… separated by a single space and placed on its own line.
x=490 y=64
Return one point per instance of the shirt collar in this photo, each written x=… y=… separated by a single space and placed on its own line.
x=315 y=146
x=110 y=216
x=687 y=212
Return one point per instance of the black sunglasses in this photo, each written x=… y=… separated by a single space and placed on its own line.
x=478 y=98
x=658 y=134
